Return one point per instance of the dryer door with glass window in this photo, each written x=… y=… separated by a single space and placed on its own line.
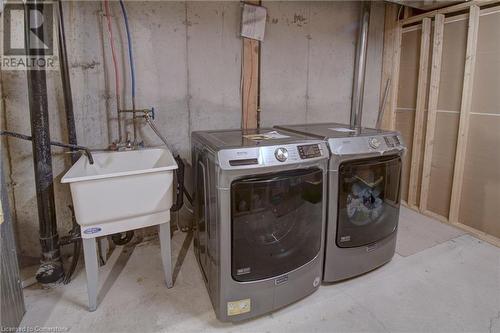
x=276 y=223
x=368 y=200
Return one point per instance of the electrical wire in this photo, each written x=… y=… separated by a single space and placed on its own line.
x=131 y=61
x=115 y=65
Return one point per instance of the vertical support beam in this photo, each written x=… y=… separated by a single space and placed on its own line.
x=392 y=44
x=250 y=80
x=437 y=55
x=407 y=13
x=463 y=128
x=419 y=111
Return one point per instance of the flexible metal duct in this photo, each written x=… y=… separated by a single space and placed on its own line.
x=360 y=67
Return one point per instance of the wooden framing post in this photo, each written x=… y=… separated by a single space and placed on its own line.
x=250 y=80
x=450 y=9
x=419 y=111
x=437 y=55
x=465 y=106
x=389 y=118
x=391 y=51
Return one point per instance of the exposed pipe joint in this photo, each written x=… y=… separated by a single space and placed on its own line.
x=360 y=67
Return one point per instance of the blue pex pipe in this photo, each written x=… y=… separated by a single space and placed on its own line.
x=130 y=55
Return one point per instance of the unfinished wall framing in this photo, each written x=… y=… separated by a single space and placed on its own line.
x=445 y=102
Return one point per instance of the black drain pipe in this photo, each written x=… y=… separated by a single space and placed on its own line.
x=66 y=83
x=51 y=269
x=75 y=233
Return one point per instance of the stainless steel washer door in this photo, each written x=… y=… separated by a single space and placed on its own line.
x=276 y=223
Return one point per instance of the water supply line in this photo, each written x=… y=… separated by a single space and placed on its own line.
x=107 y=13
x=360 y=67
x=132 y=67
x=149 y=116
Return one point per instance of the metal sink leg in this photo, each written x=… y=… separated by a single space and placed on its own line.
x=91 y=268
x=166 y=254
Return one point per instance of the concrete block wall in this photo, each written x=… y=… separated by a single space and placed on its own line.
x=188 y=67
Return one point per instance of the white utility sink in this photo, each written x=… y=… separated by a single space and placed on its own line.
x=122 y=190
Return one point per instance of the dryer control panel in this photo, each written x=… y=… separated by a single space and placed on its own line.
x=392 y=141
x=356 y=145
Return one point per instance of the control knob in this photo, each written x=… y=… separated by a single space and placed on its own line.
x=281 y=154
x=374 y=143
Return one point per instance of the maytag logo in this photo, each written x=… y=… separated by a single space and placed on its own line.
x=371 y=247
x=281 y=280
x=28 y=41
x=90 y=231
x=345 y=238
x=242 y=271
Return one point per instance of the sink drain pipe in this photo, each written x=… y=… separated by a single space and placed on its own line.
x=75 y=232
x=179 y=194
x=51 y=269
x=360 y=67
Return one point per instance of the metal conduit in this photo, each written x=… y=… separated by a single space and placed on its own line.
x=360 y=67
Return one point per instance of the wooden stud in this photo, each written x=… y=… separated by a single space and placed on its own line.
x=389 y=118
x=463 y=127
x=250 y=80
x=390 y=27
x=419 y=111
x=455 y=8
x=437 y=54
x=407 y=12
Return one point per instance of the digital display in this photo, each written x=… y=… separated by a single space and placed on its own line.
x=389 y=141
x=392 y=141
x=309 y=151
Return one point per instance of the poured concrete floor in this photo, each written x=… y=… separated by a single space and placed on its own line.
x=440 y=280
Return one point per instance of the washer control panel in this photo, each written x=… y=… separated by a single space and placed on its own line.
x=266 y=156
x=309 y=151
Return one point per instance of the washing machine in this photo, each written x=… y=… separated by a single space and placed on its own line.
x=260 y=215
x=364 y=180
